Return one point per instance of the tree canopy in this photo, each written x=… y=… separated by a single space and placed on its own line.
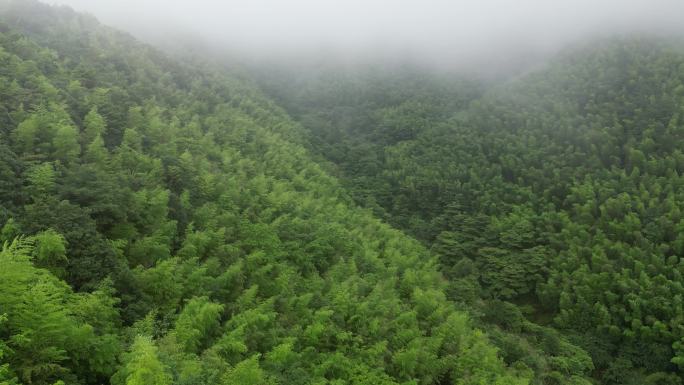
x=551 y=200
x=164 y=222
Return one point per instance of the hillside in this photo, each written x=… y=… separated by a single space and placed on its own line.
x=553 y=200
x=177 y=221
x=163 y=223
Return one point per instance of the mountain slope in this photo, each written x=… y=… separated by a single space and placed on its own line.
x=163 y=224
x=556 y=195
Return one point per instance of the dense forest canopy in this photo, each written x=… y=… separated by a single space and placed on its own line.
x=553 y=198
x=174 y=221
x=163 y=223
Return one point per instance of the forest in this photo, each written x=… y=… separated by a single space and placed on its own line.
x=551 y=201
x=168 y=220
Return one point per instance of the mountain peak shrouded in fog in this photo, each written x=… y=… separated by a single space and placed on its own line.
x=436 y=31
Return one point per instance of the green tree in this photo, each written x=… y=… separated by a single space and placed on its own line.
x=141 y=365
x=93 y=126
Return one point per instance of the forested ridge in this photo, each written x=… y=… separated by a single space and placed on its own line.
x=163 y=223
x=177 y=221
x=552 y=200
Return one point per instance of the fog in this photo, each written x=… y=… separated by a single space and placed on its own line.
x=434 y=31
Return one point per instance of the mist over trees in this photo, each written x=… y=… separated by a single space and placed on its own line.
x=478 y=36
x=368 y=193
x=550 y=200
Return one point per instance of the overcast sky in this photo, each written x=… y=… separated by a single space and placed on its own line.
x=431 y=27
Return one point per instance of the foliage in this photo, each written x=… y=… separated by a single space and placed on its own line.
x=172 y=227
x=558 y=191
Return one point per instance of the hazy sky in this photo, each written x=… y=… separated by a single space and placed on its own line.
x=431 y=27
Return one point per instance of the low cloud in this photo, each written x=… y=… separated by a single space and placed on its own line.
x=433 y=30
